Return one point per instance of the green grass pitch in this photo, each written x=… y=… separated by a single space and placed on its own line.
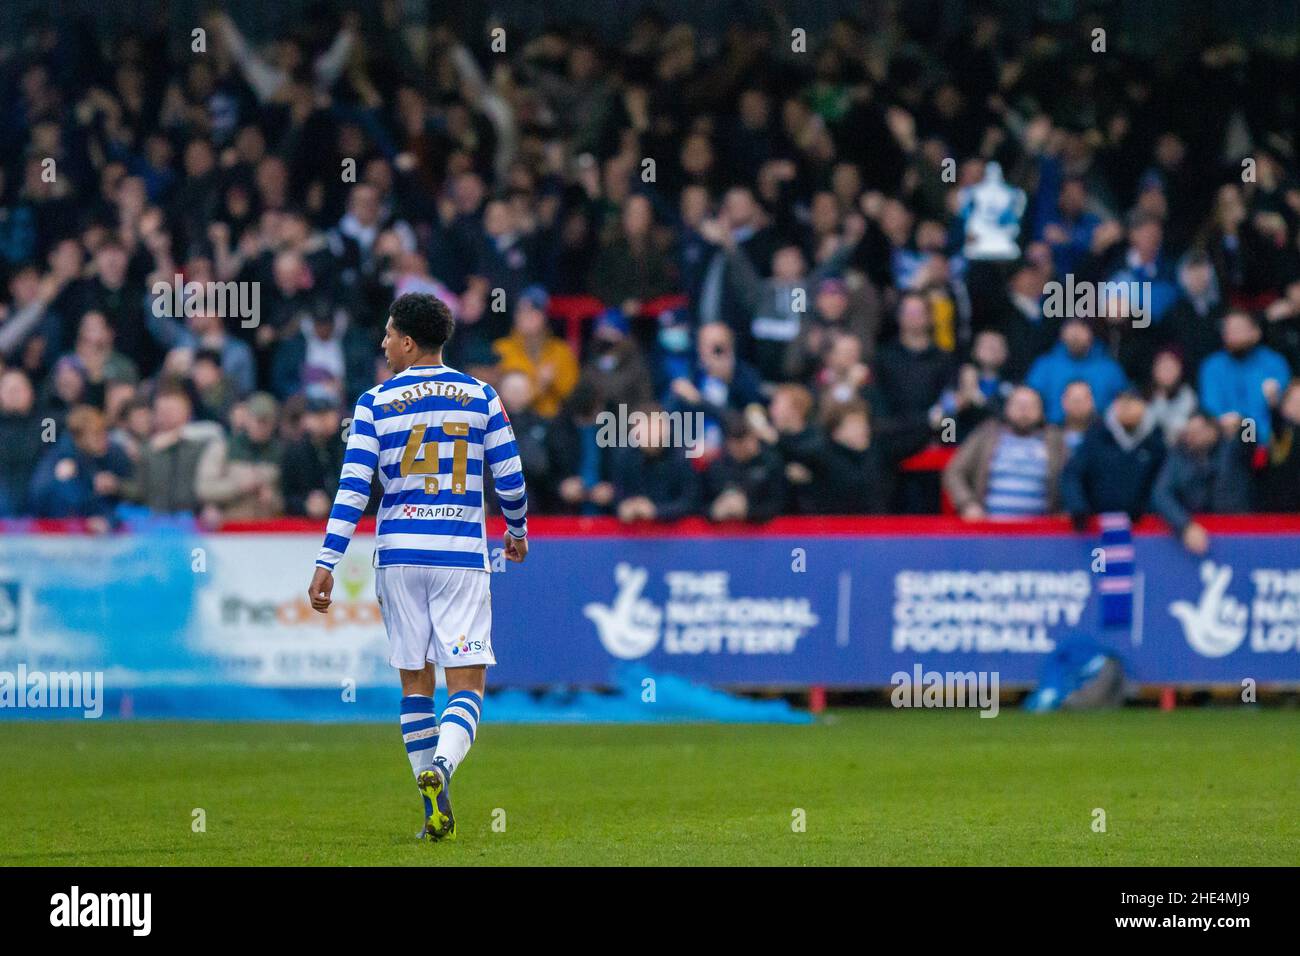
x=1193 y=787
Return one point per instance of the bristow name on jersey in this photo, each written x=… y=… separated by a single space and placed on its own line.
x=428 y=430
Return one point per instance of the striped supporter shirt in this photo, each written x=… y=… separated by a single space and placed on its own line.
x=428 y=431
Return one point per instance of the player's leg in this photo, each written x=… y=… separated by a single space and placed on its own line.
x=464 y=708
x=419 y=722
x=403 y=599
x=459 y=725
x=460 y=607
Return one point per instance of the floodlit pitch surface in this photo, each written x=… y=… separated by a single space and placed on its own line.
x=1196 y=787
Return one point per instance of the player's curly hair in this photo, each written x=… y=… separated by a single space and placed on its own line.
x=425 y=318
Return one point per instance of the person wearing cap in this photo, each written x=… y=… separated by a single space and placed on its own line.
x=616 y=368
x=1077 y=356
x=534 y=350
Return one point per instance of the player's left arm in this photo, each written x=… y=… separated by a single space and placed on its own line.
x=359 y=464
x=501 y=454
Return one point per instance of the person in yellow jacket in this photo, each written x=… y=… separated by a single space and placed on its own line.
x=531 y=348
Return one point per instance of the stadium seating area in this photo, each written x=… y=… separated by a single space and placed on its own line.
x=198 y=248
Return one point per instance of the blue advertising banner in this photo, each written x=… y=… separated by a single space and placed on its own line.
x=853 y=611
x=192 y=613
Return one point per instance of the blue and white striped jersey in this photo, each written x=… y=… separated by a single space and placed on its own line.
x=428 y=431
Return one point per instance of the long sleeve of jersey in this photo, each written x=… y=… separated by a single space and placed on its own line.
x=502 y=456
x=359 y=464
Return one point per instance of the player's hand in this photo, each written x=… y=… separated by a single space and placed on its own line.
x=318 y=592
x=1196 y=539
x=516 y=548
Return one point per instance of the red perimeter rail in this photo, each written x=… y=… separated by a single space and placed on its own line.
x=548 y=526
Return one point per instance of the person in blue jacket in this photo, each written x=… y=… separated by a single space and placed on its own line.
x=1076 y=357
x=82 y=475
x=1243 y=382
x=1115 y=466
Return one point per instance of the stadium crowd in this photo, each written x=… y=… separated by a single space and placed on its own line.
x=777 y=238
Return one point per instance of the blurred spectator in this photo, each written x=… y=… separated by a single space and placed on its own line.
x=836 y=309
x=1009 y=468
x=1115 y=466
x=581 y=464
x=1243 y=381
x=165 y=474
x=1192 y=324
x=615 y=368
x=1278 y=486
x=652 y=479
x=1076 y=357
x=64 y=388
x=632 y=268
x=1171 y=399
x=852 y=467
x=309 y=476
x=29 y=331
x=546 y=359
x=83 y=474
x=1143 y=263
x=532 y=437
x=100 y=363
x=242 y=477
x=911 y=373
x=324 y=356
x=21 y=438
x=1068 y=229
x=1206 y=472
x=212 y=390
x=719 y=381
x=799 y=441
x=206 y=330
x=980 y=389
x=777 y=305
x=747 y=483
x=1080 y=413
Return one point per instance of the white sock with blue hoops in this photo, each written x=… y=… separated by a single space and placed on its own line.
x=459 y=725
x=420 y=734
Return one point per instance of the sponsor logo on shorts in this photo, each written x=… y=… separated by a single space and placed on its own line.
x=463 y=646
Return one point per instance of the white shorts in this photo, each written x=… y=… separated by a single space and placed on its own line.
x=442 y=615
